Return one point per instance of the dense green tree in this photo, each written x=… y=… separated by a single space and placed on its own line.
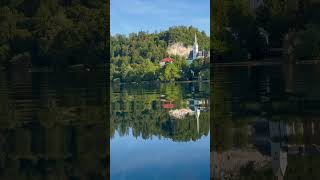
x=142 y=52
x=53 y=32
x=170 y=73
x=309 y=43
x=237 y=28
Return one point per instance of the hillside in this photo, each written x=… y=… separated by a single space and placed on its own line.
x=137 y=55
x=53 y=33
x=237 y=30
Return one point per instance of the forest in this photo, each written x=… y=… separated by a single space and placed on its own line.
x=241 y=32
x=53 y=33
x=136 y=57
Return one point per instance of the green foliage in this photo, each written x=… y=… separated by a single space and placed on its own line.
x=170 y=73
x=172 y=92
x=309 y=42
x=237 y=27
x=54 y=33
x=236 y=33
x=200 y=65
x=136 y=57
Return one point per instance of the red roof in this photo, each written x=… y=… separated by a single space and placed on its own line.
x=168 y=106
x=166 y=60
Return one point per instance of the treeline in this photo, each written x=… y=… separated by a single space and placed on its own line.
x=54 y=33
x=156 y=123
x=132 y=108
x=136 y=57
x=241 y=31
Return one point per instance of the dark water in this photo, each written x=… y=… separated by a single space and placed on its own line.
x=266 y=122
x=148 y=143
x=53 y=126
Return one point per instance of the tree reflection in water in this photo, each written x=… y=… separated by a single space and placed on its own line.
x=149 y=142
x=265 y=127
x=53 y=126
x=145 y=111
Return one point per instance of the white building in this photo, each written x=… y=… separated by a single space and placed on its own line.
x=195 y=53
x=195 y=48
x=279 y=160
x=278 y=129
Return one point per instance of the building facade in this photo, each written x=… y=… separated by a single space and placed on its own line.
x=195 y=53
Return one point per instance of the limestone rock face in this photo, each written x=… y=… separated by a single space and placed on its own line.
x=180 y=113
x=178 y=49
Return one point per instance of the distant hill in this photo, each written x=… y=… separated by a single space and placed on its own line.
x=153 y=46
x=137 y=55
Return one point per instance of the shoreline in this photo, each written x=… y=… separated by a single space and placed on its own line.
x=47 y=69
x=160 y=82
x=263 y=63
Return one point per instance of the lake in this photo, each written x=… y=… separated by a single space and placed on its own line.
x=265 y=122
x=53 y=126
x=148 y=141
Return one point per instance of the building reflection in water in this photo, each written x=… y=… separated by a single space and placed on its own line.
x=164 y=129
x=195 y=106
x=278 y=153
x=162 y=107
x=265 y=123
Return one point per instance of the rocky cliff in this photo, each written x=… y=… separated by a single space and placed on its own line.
x=178 y=49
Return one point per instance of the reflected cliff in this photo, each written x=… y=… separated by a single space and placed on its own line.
x=147 y=111
x=160 y=131
x=265 y=121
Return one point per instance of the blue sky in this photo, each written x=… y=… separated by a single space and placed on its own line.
x=150 y=15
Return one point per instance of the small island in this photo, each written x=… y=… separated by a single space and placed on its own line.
x=178 y=54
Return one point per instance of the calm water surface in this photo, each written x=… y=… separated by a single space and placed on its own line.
x=266 y=122
x=149 y=143
x=53 y=126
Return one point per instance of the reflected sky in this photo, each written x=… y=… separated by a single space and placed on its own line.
x=162 y=147
x=138 y=158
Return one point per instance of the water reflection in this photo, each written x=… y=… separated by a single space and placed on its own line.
x=160 y=126
x=265 y=122
x=53 y=126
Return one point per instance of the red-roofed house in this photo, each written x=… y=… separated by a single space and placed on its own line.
x=168 y=105
x=164 y=61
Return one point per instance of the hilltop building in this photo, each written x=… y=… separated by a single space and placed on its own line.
x=195 y=53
